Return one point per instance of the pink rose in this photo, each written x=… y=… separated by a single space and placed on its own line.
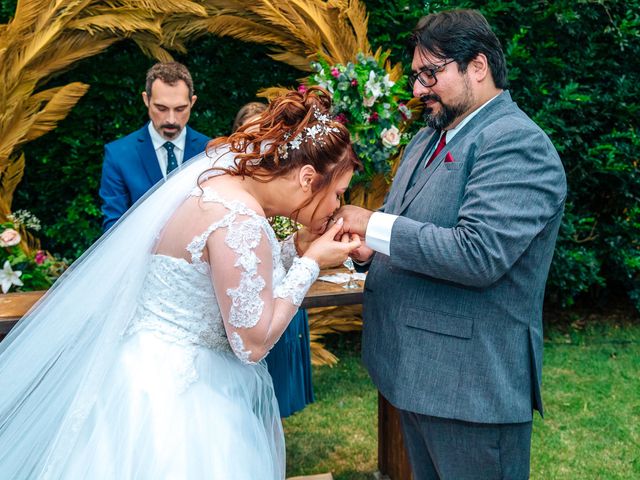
x=40 y=257
x=369 y=101
x=9 y=238
x=302 y=88
x=354 y=83
x=390 y=137
x=335 y=72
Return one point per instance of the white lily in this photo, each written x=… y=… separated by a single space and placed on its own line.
x=9 y=277
x=387 y=82
x=373 y=87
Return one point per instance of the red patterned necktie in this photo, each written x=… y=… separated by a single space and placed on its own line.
x=441 y=144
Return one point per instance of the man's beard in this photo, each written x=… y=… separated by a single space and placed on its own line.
x=448 y=112
x=171 y=134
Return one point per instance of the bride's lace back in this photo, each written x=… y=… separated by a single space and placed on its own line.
x=178 y=301
x=244 y=299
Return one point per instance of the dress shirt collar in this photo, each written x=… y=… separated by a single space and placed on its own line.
x=452 y=133
x=158 y=141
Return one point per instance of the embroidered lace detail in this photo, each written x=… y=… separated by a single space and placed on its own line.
x=237 y=345
x=299 y=278
x=246 y=304
x=235 y=207
x=178 y=305
x=178 y=302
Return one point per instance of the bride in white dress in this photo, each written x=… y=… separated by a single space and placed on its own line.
x=144 y=360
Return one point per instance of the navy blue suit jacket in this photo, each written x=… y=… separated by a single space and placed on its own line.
x=131 y=168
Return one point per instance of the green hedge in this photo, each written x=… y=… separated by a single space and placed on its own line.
x=572 y=67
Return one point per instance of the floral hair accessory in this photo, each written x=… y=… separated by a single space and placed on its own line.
x=315 y=133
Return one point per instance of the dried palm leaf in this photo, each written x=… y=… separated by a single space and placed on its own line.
x=10 y=177
x=170 y=7
x=321 y=356
x=331 y=320
x=122 y=21
x=299 y=29
x=56 y=109
x=152 y=49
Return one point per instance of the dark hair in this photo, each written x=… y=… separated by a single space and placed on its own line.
x=461 y=35
x=265 y=148
x=170 y=73
x=247 y=111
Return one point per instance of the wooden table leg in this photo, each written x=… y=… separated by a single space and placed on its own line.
x=392 y=456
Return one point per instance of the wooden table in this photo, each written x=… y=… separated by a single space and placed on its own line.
x=13 y=306
x=321 y=294
x=327 y=294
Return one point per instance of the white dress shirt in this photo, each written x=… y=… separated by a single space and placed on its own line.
x=378 y=235
x=161 y=152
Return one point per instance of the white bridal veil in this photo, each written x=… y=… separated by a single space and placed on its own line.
x=52 y=363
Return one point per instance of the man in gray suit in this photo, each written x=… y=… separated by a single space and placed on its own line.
x=459 y=256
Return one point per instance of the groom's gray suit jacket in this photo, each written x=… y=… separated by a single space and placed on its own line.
x=453 y=317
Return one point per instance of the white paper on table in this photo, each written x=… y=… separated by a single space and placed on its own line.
x=342 y=277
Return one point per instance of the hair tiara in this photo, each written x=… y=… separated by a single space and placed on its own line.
x=315 y=133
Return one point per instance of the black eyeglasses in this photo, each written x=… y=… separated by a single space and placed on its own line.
x=427 y=75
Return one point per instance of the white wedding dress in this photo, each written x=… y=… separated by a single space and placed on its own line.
x=180 y=398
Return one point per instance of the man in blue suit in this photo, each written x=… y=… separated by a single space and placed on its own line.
x=458 y=259
x=133 y=164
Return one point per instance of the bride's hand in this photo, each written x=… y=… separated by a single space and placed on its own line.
x=303 y=239
x=327 y=251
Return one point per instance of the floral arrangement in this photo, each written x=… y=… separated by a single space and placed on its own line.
x=22 y=269
x=371 y=105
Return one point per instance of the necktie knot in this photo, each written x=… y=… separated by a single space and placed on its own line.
x=169 y=146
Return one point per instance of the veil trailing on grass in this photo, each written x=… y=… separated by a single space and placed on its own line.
x=53 y=362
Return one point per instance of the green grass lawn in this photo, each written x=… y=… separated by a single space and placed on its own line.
x=591 y=429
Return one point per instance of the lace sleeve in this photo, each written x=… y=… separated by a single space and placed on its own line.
x=288 y=251
x=254 y=310
x=299 y=278
x=302 y=272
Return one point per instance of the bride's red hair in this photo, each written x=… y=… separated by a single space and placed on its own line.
x=263 y=149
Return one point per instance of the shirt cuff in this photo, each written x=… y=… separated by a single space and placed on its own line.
x=378 y=235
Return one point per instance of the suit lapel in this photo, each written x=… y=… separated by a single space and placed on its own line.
x=413 y=159
x=425 y=174
x=502 y=101
x=190 y=146
x=147 y=155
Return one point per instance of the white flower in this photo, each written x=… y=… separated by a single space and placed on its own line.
x=373 y=87
x=388 y=82
x=26 y=218
x=8 y=277
x=390 y=137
